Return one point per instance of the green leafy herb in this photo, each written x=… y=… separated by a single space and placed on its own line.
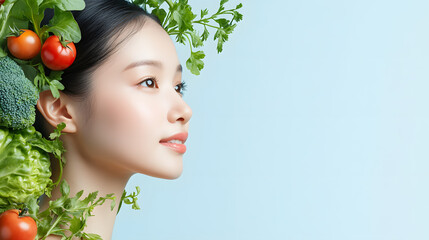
x=68 y=213
x=130 y=199
x=180 y=21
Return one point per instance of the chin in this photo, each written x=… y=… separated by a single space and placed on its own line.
x=172 y=176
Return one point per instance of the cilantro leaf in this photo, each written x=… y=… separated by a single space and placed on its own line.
x=194 y=62
x=180 y=21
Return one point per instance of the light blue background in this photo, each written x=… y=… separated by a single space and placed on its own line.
x=312 y=124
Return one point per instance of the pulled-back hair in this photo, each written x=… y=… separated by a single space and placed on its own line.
x=103 y=24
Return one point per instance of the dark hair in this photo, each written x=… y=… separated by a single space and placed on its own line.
x=101 y=23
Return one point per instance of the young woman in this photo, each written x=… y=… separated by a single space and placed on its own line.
x=122 y=106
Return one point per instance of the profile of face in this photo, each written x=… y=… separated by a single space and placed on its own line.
x=136 y=102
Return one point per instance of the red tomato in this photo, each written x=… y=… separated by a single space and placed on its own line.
x=25 y=46
x=15 y=227
x=1 y=2
x=55 y=56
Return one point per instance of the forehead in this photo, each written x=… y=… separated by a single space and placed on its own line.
x=149 y=42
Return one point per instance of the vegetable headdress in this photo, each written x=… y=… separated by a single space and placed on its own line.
x=24 y=154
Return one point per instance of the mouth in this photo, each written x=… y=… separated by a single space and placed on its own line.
x=176 y=142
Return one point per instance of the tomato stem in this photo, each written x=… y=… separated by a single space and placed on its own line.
x=64 y=42
x=23 y=211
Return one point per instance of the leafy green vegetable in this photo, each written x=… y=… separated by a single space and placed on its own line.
x=18 y=96
x=24 y=167
x=179 y=21
x=68 y=213
x=51 y=82
x=55 y=146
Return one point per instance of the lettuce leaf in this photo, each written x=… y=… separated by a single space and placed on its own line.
x=24 y=167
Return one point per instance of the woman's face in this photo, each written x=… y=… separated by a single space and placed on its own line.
x=136 y=103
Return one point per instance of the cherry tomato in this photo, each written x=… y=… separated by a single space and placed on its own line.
x=55 y=56
x=26 y=46
x=1 y=2
x=15 y=227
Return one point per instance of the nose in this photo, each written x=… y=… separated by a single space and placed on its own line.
x=180 y=110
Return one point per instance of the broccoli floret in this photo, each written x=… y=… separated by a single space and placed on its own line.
x=18 y=96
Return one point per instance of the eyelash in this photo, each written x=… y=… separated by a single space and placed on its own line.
x=182 y=85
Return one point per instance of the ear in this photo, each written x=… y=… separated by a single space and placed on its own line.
x=57 y=110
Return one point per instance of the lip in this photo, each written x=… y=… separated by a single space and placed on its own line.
x=180 y=136
x=180 y=148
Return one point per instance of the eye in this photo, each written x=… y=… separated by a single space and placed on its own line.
x=149 y=82
x=181 y=88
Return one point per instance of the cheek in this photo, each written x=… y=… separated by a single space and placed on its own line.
x=125 y=128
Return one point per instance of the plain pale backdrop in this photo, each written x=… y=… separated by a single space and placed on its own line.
x=312 y=124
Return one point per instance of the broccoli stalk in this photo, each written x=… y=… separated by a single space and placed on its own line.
x=18 y=96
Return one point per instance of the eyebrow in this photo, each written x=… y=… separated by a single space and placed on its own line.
x=151 y=63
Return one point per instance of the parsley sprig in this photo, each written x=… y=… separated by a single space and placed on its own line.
x=130 y=199
x=180 y=21
x=67 y=216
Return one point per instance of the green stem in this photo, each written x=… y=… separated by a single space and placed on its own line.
x=36 y=25
x=164 y=23
x=172 y=33
x=120 y=201
x=201 y=21
x=170 y=3
x=208 y=25
x=172 y=30
x=61 y=172
x=231 y=11
x=189 y=40
x=53 y=226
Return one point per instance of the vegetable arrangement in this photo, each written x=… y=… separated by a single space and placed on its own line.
x=27 y=52
x=179 y=21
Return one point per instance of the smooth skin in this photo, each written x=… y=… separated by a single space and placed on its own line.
x=130 y=115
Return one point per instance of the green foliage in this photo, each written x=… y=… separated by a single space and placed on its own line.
x=69 y=213
x=24 y=166
x=180 y=21
x=18 y=96
x=29 y=14
x=195 y=63
x=130 y=199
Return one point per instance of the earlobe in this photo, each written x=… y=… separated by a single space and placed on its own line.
x=57 y=110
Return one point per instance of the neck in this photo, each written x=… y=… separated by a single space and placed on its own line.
x=82 y=174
